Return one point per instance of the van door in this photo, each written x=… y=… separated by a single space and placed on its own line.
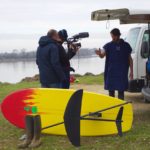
x=133 y=39
x=143 y=55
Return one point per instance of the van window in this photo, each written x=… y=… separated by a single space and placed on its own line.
x=145 y=45
x=132 y=38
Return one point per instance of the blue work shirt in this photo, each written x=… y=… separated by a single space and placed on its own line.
x=117 y=65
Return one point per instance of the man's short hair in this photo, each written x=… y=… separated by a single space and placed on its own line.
x=115 y=32
x=51 y=33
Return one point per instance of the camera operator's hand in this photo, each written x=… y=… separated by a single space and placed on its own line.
x=74 y=47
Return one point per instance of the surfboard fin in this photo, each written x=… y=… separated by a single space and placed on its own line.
x=72 y=118
x=119 y=121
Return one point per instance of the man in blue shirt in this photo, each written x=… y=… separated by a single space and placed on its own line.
x=118 y=60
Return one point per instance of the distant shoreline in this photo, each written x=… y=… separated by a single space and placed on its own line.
x=23 y=55
x=17 y=60
x=34 y=59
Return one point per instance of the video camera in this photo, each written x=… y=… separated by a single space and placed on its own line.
x=74 y=39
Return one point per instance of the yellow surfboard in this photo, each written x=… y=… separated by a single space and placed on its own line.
x=51 y=104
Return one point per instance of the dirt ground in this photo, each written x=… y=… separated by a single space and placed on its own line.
x=136 y=98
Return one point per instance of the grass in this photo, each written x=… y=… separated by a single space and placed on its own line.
x=91 y=79
x=137 y=139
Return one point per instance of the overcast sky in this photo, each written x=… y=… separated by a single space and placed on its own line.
x=22 y=22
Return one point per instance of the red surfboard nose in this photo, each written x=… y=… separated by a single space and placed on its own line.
x=12 y=107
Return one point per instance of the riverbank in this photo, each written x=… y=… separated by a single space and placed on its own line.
x=87 y=78
x=136 y=139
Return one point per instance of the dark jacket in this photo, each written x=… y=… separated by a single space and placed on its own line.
x=65 y=57
x=48 y=61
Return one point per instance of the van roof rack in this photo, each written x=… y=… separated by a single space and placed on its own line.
x=125 y=15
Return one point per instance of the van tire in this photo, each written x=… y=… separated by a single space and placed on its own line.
x=146 y=101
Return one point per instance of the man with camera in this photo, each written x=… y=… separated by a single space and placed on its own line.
x=118 y=61
x=48 y=61
x=65 y=57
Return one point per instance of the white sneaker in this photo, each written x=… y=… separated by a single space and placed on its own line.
x=23 y=137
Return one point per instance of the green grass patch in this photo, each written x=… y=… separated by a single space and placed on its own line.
x=91 y=79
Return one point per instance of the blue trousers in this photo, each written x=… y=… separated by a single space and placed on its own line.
x=120 y=94
x=52 y=85
x=66 y=84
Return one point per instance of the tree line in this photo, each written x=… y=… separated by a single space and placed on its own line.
x=23 y=54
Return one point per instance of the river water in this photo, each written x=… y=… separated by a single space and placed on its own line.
x=14 y=72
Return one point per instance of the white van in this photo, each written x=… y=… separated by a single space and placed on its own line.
x=137 y=37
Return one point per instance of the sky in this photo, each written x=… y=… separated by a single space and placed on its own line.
x=22 y=22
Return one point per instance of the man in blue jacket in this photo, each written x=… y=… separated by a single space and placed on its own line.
x=48 y=61
x=118 y=61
